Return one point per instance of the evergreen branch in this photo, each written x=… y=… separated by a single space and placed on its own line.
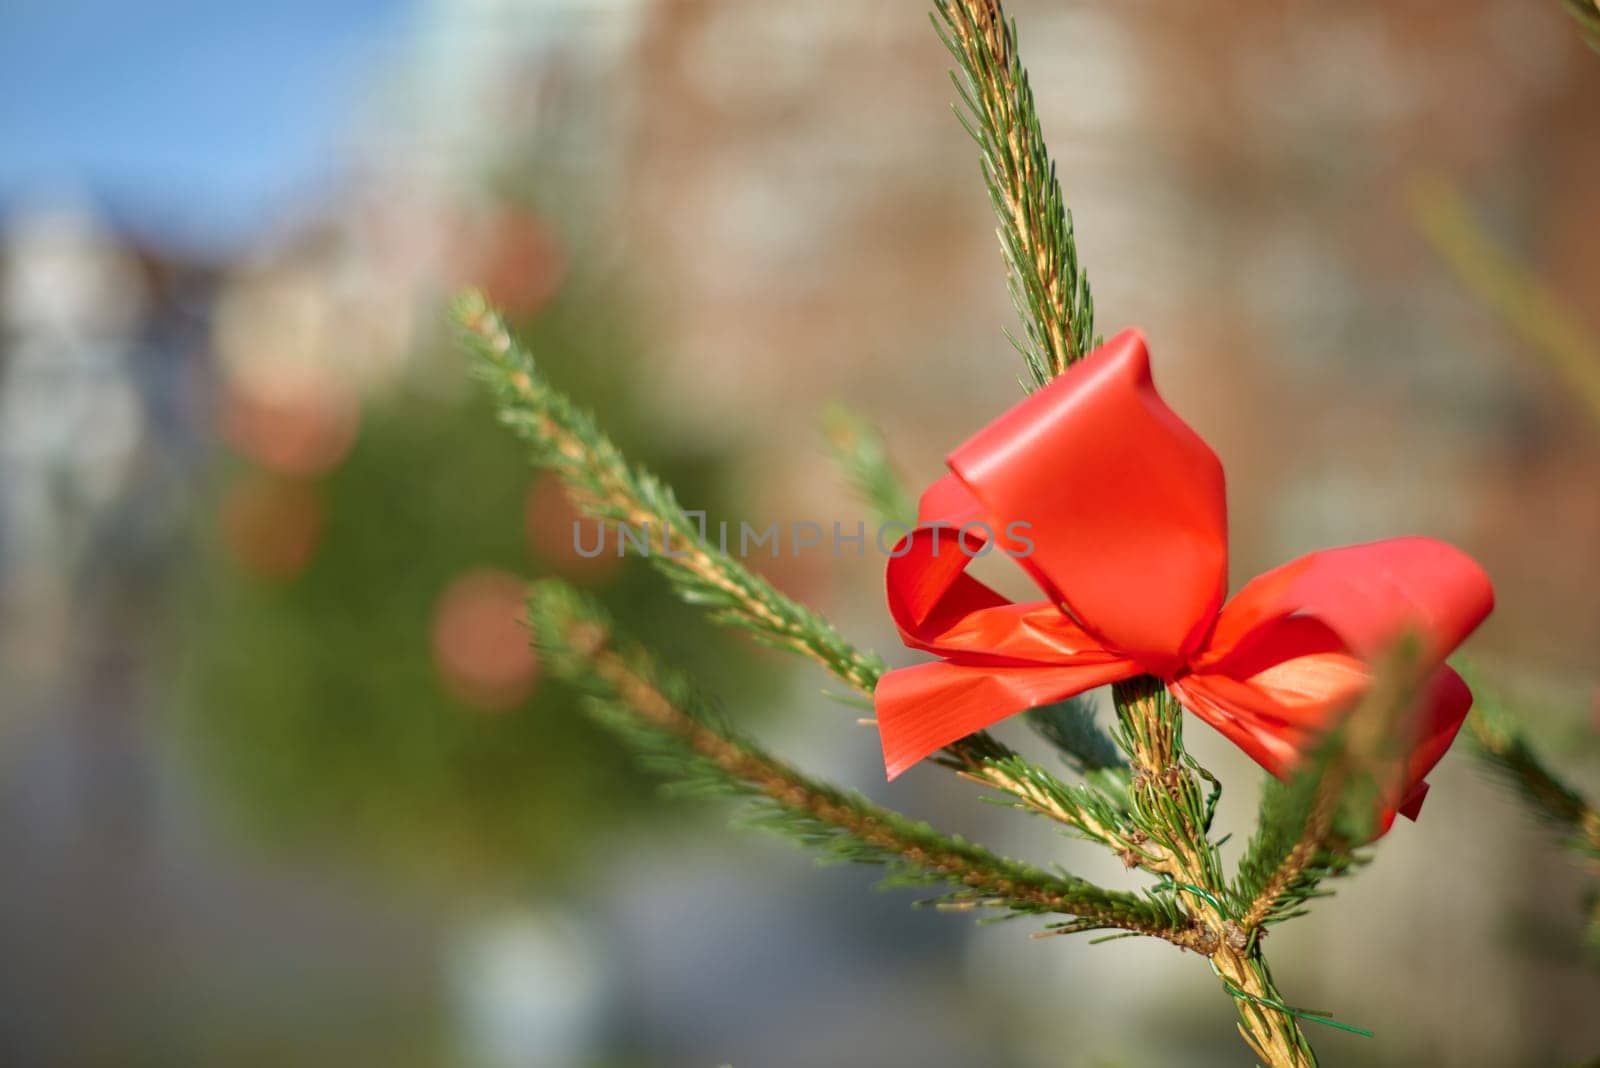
x=1502 y=745
x=1070 y=726
x=1546 y=323
x=1098 y=811
x=1100 y=804
x=1050 y=291
x=1173 y=817
x=1310 y=826
x=1293 y=850
x=1054 y=300
x=1093 y=811
x=656 y=710
x=1170 y=811
x=1505 y=749
x=1587 y=12
x=565 y=439
x=858 y=449
x=1167 y=803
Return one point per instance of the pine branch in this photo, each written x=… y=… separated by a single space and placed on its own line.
x=1587 y=12
x=1310 y=827
x=1101 y=802
x=1096 y=811
x=1294 y=849
x=1070 y=726
x=1501 y=745
x=565 y=439
x=1505 y=749
x=858 y=449
x=1173 y=815
x=656 y=710
x=1168 y=804
x=1053 y=299
x=1170 y=810
x=1050 y=291
x=1550 y=327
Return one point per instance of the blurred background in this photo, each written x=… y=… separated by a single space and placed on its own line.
x=280 y=782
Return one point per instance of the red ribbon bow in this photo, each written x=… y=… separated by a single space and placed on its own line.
x=1115 y=508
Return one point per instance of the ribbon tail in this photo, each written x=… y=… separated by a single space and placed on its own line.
x=1411 y=807
x=1278 y=744
x=1275 y=744
x=922 y=709
x=1444 y=706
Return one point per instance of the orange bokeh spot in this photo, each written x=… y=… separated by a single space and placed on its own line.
x=297 y=420
x=548 y=516
x=480 y=645
x=271 y=527
x=521 y=263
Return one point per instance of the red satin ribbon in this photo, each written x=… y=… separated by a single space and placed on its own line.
x=1116 y=509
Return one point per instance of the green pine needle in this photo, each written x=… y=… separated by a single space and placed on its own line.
x=1310 y=827
x=1070 y=726
x=1097 y=809
x=859 y=450
x=1504 y=747
x=1272 y=871
x=681 y=737
x=563 y=438
x=1051 y=292
x=1587 y=12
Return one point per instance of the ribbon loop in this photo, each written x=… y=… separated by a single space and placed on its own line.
x=1116 y=509
x=1125 y=503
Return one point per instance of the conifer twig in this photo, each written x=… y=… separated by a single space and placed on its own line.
x=1070 y=727
x=1551 y=328
x=565 y=439
x=1096 y=810
x=1051 y=292
x=1053 y=298
x=1170 y=811
x=1555 y=331
x=1154 y=809
x=657 y=709
x=1505 y=747
x=1171 y=808
x=1291 y=871
x=1308 y=827
x=860 y=452
x=1587 y=12
x=1296 y=845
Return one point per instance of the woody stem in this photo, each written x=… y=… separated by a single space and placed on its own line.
x=1171 y=808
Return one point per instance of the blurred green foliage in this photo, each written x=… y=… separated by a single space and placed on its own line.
x=314 y=705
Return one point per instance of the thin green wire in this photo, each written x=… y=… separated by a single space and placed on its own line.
x=1204 y=895
x=1299 y=1014
x=1243 y=995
